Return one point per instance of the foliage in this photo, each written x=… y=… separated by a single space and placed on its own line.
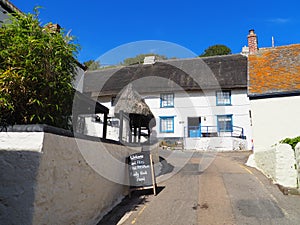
x=139 y=59
x=37 y=68
x=216 y=50
x=291 y=141
x=92 y=64
x=168 y=143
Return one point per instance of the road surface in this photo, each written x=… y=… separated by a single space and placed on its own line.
x=208 y=189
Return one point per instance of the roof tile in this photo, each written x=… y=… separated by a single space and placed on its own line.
x=274 y=70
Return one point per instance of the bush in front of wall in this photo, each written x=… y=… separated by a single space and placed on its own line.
x=38 y=65
x=291 y=141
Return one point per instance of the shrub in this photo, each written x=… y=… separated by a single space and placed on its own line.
x=36 y=73
x=291 y=141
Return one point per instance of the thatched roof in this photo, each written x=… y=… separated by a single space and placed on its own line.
x=228 y=71
x=130 y=101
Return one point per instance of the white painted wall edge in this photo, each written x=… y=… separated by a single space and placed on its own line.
x=21 y=141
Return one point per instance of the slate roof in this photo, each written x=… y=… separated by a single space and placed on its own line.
x=274 y=71
x=226 y=72
x=85 y=105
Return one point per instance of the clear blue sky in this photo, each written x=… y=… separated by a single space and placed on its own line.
x=101 y=26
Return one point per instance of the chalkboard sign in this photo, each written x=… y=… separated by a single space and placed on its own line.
x=141 y=171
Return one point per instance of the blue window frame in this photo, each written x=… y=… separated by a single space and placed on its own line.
x=166 y=124
x=223 y=97
x=224 y=123
x=167 y=100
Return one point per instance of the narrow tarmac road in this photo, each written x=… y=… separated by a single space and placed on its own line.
x=209 y=189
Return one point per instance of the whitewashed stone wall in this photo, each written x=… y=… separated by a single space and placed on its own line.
x=297 y=154
x=215 y=144
x=46 y=179
x=278 y=163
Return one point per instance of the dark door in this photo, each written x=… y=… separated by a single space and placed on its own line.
x=194 y=126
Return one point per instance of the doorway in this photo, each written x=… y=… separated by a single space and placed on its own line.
x=194 y=127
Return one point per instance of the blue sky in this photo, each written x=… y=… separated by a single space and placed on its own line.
x=101 y=26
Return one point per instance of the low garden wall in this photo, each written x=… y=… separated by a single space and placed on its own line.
x=278 y=163
x=215 y=144
x=51 y=179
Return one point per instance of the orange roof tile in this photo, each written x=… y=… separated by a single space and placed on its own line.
x=274 y=70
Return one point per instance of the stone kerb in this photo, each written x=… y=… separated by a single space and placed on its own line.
x=52 y=183
x=278 y=163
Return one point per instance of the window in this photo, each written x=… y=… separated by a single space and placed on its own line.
x=167 y=100
x=223 y=97
x=167 y=124
x=224 y=123
x=113 y=122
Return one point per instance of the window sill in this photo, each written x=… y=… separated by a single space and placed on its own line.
x=164 y=107
x=224 y=104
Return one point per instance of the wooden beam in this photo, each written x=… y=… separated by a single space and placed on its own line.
x=121 y=126
x=104 y=126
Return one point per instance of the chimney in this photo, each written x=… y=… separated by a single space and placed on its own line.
x=252 y=42
x=148 y=60
x=53 y=28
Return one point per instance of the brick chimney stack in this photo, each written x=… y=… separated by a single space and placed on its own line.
x=252 y=42
x=53 y=28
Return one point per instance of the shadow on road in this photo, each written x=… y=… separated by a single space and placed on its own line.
x=165 y=166
x=128 y=204
x=137 y=198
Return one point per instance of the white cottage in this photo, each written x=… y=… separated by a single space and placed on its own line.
x=201 y=102
x=274 y=92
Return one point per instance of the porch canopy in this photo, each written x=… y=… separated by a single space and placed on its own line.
x=130 y=104
x=83 y=105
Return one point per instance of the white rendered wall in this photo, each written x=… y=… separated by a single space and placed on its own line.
x=274 y=119
x=197 y=104
x=59 y=180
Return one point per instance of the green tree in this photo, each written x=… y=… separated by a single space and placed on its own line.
x=92 y=64
x=216 y=50
x=139 y=59
x=37 y=68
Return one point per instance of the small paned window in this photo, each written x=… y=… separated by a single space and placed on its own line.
x=223 y=97
x=167 y=124
x=167 y=100
x=224 y=123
